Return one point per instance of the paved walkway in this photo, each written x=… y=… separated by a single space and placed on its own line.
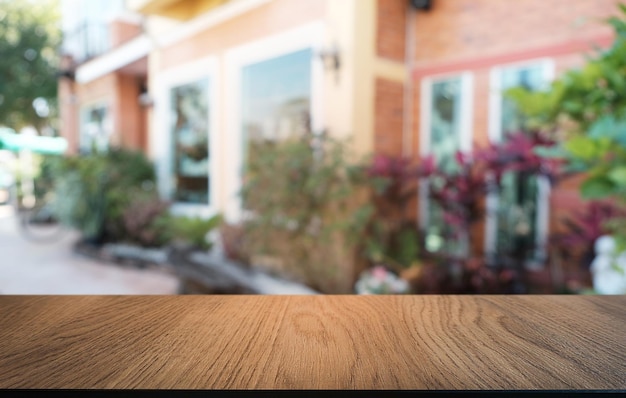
x=52 y=268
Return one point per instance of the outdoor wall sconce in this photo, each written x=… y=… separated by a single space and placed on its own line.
x=65 y=73
x=331 y=59
x=421 y=4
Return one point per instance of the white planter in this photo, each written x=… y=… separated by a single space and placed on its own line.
x=608 y=268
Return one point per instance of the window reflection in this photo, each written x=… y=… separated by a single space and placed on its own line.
x=95 y=129
x=518 y=197
x=445 y=136
x=190 y=133
x=276 y=98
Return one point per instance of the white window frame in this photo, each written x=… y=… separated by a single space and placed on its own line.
x=205 y=68
x=495 y=135
x=466 y=123
x=108 y=122
x=304 y=37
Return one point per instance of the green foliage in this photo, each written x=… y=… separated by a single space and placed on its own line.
x=145 y=222
x=587 y=107
x=581 y=96
x=30 y=33
x=191 y=230
x=308 y=206
x=391 y=239
x=93 y=191
x=601 y=153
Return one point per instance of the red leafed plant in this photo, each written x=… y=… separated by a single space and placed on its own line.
x=585 y=227
x=397 y=178
x=393 y=239
x=460 y=194
x=517 y=153
x=469 y=276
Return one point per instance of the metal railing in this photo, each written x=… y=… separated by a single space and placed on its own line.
x=86 y=41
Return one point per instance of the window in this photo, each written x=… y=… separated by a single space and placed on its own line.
x=95 y=128
x=276 y=88
x=276 y=98
x=517 y=218
x=447 y=126
x=190 y=137
x=533 y=78
x=185 y=135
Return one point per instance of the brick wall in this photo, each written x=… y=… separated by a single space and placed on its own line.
x=390 y=29
x=129 y=124
x=476 y=35
x=121 y=31
x=120 y=93
x=388 y=117
x=457 y=29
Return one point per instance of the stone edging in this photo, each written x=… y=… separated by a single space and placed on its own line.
x=212 y=271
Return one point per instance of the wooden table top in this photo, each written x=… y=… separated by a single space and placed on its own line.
x=314 y=342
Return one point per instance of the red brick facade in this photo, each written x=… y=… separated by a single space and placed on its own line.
x=390 y=31
x=388 y=117
x=474 y=36
x=463 y=29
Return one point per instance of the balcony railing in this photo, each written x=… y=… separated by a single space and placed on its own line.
x=87 y=41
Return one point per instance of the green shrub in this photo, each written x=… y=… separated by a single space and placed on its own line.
x=93 y=191
x=308 y=200
x=145 y=222
x=190 y=230
x=581 y=96
x=586 y=107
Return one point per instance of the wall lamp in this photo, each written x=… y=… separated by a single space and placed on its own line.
x=331 y=59
x=421 y=4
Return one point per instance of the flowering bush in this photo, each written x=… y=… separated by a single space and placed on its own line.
x=379 y=280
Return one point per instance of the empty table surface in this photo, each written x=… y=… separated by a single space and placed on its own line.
x=313 y=342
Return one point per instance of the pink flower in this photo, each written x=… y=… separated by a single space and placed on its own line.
x=379 y=272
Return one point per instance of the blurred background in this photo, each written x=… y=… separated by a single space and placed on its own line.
x=312 y=147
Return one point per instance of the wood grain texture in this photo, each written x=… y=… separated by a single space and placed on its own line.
x=311 y=342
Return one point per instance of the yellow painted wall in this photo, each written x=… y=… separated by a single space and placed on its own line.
x=176 y=9
x=348 y=105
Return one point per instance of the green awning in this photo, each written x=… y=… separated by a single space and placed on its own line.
x=45 y=145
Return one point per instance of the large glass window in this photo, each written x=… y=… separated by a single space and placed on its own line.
x=518 y=201
x=190 y=136
x=445 y=139
x=276 y=98
x=530 y=77
x=445 y=123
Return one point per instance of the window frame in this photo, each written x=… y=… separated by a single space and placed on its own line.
x=310 y=36
x=495 y=135
x=84 y=110
x=466 y=130
x=162 y=140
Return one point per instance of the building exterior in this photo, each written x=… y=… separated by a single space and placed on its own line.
x=191 y=81
x=102 y=110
